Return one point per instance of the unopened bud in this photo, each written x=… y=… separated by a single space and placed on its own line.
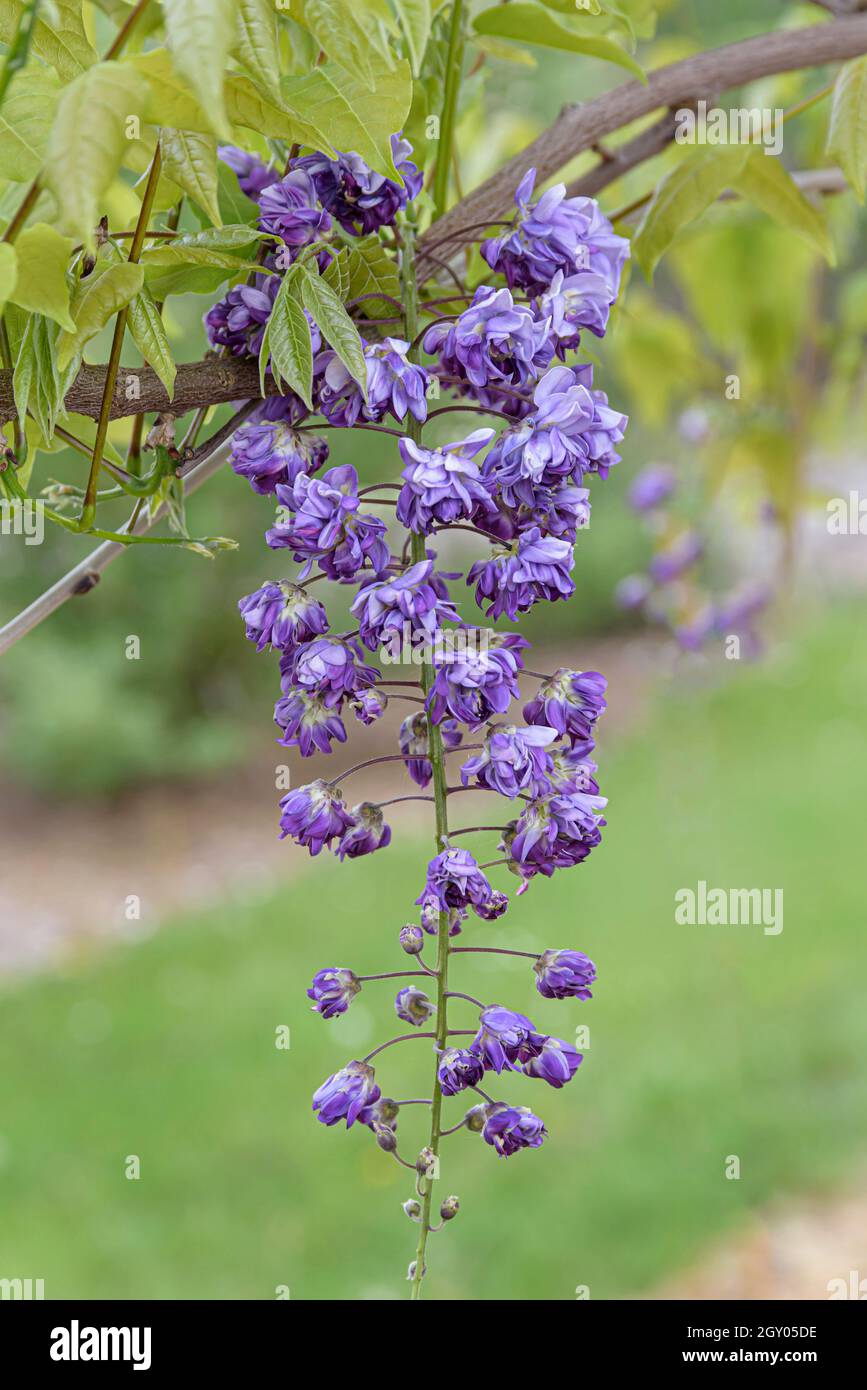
x=385 y=1138
x=425 y=1162
x=450 y=1208
x=410 y=1273
x=411 y=939
x=475 y=1118
x=412 y=1209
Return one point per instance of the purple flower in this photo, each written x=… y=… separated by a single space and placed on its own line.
x=632 y=592
x=307 y=723
x=496 y=905
x=282 y=615
x=651 y=488
x=345 y=1094
x=513 y=760
x=313 y=815
x=442 y=485
x=572 y=303
x=333 y=991
x=512 y=1127
x=495 y=349
x=504 y=1038
x=270 y=453
x=555 y=832
x=475 y=685
x=251 y=173
x=330 y=667
x=556 y=234
x=570 y=702
x=459 y=1068
x=323 y=523
x=430 y=915
x=414 y=744
x=454 y=879
x=564 y=975
x=359 y=199
x=237 y=321
x=557 y=1063
x=534 y=567
x=368 y=705
x=677 y=557
x=385 y=606
x=413 y=1006
x=289 y=210
x=369 y=833
x=394 y=384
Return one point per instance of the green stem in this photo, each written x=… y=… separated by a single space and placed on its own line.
x=437 y=760
x=19 y=48
x=454 y=66
x=88 y=511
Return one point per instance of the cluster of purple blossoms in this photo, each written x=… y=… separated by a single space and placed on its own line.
x=252 y=174
x=524 y=489
x=670 y=593
x=356 y=197
x=555 y=235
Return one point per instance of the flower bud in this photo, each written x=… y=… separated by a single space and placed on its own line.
x=411 y=939
x=425 y=1162
x=385 y=1138
x=410 y=1273
x=412 y=1209
x=475 y=1118
x=450 y=1208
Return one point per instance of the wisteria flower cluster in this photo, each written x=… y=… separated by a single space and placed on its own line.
x=507 y=354
x=671 y=593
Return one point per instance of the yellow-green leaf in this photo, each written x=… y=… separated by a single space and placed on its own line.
x=766 y=182
x=95 y=300
x=250 y=107
x=190 y=161
x=87 y=142
x=340 y=33
x=25 y=120
x=43 y=286
x=847 y=136
x=257 y=43
x=355 y=118
x=372 y=271
x=682 y=196
x=170 y=101
x=150 y=337
x=287 y=342
x=528 y=22
x=415 y=21
x=200 y=35
x=59 y=39
x=8 y=272
x=333 y=322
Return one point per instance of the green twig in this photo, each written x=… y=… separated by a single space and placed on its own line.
x=454 y=66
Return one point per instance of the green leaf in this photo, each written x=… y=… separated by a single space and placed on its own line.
x=8 y=272
x=62 y=42
x=95 y=300
x=200 y=35
x=415 y=21
x=847 y=136
x=190 y=161
x=163 y=281
x=214 y=246
x=235 y=207
x=531 y=23
x=336 y=274
x=170 y=101
x=150 y=337
x=504 y=50
x=250 y=107
x=25 y=120
x=257 y=43
x=355 y=118
x=288 y=341
x=372 y=271
x=341 y=35
x=43 y=286
x=766 y=182
x=682 y=196
x=87 y=142
x=38 y=383
x=333 y=322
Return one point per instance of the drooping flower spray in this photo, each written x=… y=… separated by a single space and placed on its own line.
x=503 y=350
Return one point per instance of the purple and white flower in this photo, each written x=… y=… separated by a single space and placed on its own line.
x=282 y=615
x=333 y=990
x=345 y=1094
x=509 y=1128
x=313 y=815
x=564 y=975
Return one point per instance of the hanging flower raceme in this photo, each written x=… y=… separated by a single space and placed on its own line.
x=522 y=493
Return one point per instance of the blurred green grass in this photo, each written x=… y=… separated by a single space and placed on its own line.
x=705 y=1041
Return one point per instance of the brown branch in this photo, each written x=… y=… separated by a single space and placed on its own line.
x=621 y=159
x=579 y=128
